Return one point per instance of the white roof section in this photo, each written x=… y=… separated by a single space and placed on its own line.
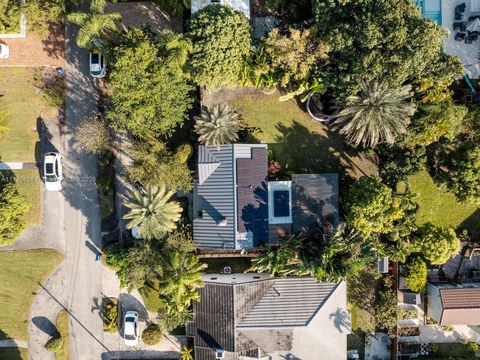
x=242 y=6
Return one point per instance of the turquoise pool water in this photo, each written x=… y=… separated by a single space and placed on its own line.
x=431 y=9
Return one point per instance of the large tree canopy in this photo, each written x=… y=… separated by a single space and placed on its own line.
x=436 y=244
x=221 y=40
x=13 y=207
x=380 y=39
x=150 y=94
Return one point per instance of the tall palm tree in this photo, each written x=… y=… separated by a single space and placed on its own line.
x=377 y=114
x=152 y=212
x=217 y=125
x=94 y=25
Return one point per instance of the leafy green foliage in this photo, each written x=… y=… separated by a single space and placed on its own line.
x=436 y=244
x=218 y=125
x=94 y=136
x=378 y=114
x=13 y=206
x=184 y=152
x=10 y=12
x=54 y=344
x=187 y=353
x=257 y=70
x=94 y=25
x=397 y=163
x=386 y=308
x=293 y=10
x=154 y=163
x=221 y=41
x=171 y=318
x=115 y=257
x=152 y=334
x=459 y=170
x=294 y=56
x=346 y=254
x=174 y=7
x=150 y=92
x=40 y=12
x=371 y=207
x=386 y=39
x=416 y=274
x=435 y=121
x=109 y=311
x=152 y=212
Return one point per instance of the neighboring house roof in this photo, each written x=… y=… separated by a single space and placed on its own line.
x=460 y=306
x=242 y=6
x=454 y=304
x=262 y=317
x=314 y=196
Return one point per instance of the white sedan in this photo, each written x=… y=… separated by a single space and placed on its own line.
x=130 y=328
x=97 y=65
x=52 y=171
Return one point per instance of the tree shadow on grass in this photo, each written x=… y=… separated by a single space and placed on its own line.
x=300 y=150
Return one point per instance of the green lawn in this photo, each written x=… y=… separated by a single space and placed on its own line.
x=29 y=183
x=13 y=354
x=22 y=271
x=441 y=207
x=151 y=297
x=62 y=328
x=295 y=139
x=23 y=103
x=451 y=351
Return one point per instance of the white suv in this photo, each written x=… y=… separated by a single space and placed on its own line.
x=97 y=65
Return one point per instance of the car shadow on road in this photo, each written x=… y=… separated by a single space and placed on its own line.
x=44 y=146
x=45 y=325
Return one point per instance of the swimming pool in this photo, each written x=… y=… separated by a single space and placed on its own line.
x=431 y=9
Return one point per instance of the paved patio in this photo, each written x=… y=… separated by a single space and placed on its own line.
x=33 y=51
x=468 y=53
x=437 y=334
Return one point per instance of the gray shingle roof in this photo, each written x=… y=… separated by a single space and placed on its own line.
x=288 y=302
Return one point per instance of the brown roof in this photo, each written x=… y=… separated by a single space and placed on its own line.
x=461 y=306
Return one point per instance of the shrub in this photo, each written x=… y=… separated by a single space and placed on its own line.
x=416 y=274
x=55 y=344
x=152 y=334
x=436 y=244
x=93 y=136
x=115 y=257
x=104 y=183
x=13 y=206
x=110 y=314
x=397 y=163
x=473 y=346
x=184 y=152
x=221 y=41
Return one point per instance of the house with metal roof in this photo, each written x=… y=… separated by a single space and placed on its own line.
x=454 y=304
x=253 y=316
x=236 y=207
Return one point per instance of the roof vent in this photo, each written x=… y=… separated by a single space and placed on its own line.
x=219 y=354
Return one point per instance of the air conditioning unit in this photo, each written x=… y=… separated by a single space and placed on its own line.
x=219 y=354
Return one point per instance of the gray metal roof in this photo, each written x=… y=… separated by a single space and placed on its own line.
x=215 y=192
x=315 y=197
x=288 y=302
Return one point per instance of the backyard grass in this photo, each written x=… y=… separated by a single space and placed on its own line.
x=151 y=297
x=13 y=354
x=22 y=271
x=62 y=328
x=23 y=104
x=441 y=207
x=298 y=141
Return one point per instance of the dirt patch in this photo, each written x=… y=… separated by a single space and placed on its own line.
x=35 y=51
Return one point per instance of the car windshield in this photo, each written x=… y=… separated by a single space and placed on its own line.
x=129 y=319
x=129 y=337
x=49 y=169
x=95 y=58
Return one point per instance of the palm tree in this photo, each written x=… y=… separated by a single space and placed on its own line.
x=181 y=277
x=152 y=212
x=377 y=114
x=94 y=25
x=187 y=353
x=218 y=125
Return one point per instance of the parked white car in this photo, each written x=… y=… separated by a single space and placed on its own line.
x=130 y=328
x=4 y=51
x=97 y=65
x=52 y=171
